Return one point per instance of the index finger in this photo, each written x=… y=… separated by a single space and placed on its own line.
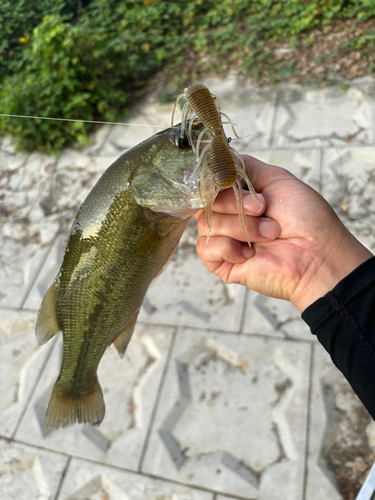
x=226 y=203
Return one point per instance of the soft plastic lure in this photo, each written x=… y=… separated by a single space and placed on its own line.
x=221 y=166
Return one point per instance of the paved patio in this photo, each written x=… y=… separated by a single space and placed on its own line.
x=223 y=393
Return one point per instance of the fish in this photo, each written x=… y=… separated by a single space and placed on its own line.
x=221 y=166
x=122 y=237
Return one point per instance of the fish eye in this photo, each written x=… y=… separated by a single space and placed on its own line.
x=183 y=143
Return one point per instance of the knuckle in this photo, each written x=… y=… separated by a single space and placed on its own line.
x=200 y=246
x=202 y=225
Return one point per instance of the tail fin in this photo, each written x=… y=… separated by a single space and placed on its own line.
x=65 y=410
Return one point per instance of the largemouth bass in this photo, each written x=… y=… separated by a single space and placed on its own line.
x=122 y=236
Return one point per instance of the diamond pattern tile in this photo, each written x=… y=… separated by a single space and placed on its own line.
x=24 y=180
x=348 y=183
x=88 y=481
x=232 y=415
x=325 y=117
x=274 y=317
x=304 y=164
x=28 y=473
x=228 y=416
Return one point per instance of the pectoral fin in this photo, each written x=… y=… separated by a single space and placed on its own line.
x=122 y=340
x=47 y=325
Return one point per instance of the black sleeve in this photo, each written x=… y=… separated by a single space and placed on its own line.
x=344 y=323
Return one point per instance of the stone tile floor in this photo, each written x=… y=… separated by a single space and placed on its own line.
x=223 y=393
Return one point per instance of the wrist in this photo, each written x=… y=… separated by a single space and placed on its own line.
x=330 y=270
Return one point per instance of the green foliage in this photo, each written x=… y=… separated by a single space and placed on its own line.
x=17 y=21
x=82 y=70
x=367 y=40
x=82 y=60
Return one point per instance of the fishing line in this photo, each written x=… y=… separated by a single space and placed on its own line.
x=85 y=121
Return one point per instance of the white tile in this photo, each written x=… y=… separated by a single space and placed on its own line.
x=47 y=274
x=341 y=450
x=76 y=175
x=304 y=164
x=232 y=415
x=275 y=317
x=145 y=120
x=27 y=184
x=250 y=108
x=348 y=183
x=323 y=117
x=97 y=141
x=9 y=162
x=28 y=473
x=21 y=361
x=20 y=262
x=130 y=388
x=89 y=481
x=126 y=137
x=40 y=199
x=23 y=238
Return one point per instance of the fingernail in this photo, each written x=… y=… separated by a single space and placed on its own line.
x=269 y=229
x=251 y=205
x=247 y=252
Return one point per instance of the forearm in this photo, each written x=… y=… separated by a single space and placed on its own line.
x=344 y=322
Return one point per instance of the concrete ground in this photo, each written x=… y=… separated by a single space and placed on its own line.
x=223 y=393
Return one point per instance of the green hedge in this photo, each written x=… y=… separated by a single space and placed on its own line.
x=82 y=60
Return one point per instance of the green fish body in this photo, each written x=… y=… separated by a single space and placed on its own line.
x=123 y=235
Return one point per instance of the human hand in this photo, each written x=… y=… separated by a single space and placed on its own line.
x=301 y=250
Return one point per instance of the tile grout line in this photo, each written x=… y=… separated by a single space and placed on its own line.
x=33 y=389
x=63 y=476
x=230 y=332
x=309 y=407
x=125 y=469
x=13 y=308
x=157 y=400
x=195 y=328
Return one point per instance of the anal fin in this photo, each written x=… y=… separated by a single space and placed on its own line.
x=47 y=325
x=122 y=340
